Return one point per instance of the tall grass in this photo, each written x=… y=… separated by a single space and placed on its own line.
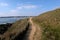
x=50 y=24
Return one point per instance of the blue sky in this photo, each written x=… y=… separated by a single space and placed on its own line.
x=27 y=7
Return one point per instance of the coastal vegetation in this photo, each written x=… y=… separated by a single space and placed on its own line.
x=50 y=24
x=45 y=26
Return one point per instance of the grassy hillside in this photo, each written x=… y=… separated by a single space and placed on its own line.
x=16 y=29
x=50 y=24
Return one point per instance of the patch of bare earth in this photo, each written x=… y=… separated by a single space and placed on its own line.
x=35 y=33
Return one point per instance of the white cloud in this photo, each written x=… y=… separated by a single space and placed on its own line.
x=30 y=6
x=17 y=10
x=22 y=7
x=3 y=14
x=13 y=11
x=27 y=6
x=3 y=4
x=19 y=7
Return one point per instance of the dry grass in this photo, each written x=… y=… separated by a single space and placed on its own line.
x=16 y=28
x=50 y=24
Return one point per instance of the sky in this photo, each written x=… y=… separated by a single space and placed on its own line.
x=27 y=7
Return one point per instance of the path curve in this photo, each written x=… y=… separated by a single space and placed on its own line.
x=33 y=30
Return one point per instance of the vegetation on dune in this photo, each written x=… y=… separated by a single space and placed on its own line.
x=50 y=24
x=16 y=29
x=45 y=27
x=19 y=24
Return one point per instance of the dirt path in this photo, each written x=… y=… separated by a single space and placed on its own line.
x=33 y=30
x=35 y=33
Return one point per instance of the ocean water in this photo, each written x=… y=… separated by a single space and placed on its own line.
x=8 y=20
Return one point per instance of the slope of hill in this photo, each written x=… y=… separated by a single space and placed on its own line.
x=16 y=29
x=43 y=27
x=50 y=24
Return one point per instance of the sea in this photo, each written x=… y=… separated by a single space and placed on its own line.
x=9 y=20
